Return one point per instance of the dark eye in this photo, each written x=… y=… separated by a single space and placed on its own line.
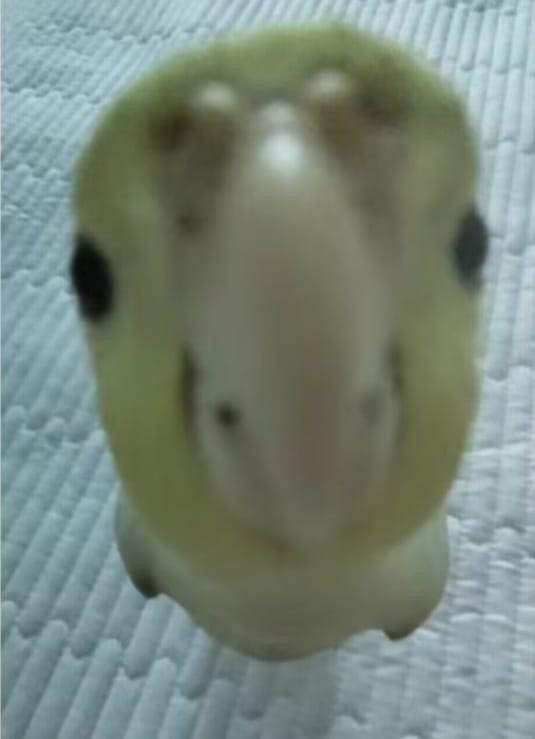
x=92 y=280
x=227 y=416
x=471 y=248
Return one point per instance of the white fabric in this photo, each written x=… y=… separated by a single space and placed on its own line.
x=83 y=654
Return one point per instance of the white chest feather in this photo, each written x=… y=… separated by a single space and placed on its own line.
x=295 y=610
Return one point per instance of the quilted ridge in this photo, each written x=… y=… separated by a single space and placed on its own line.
x=83 y=655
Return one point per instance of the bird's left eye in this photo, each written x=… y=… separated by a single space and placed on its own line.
x=470 y=249
x=92 y=279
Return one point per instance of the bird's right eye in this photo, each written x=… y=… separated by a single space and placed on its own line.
x=92 y=279
x=470 y=248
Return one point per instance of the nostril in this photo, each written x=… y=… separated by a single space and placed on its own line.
x=371 y=406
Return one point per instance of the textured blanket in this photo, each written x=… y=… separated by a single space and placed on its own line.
x=83 y=654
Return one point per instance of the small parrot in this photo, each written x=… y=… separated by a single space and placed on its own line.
x=277 y=263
